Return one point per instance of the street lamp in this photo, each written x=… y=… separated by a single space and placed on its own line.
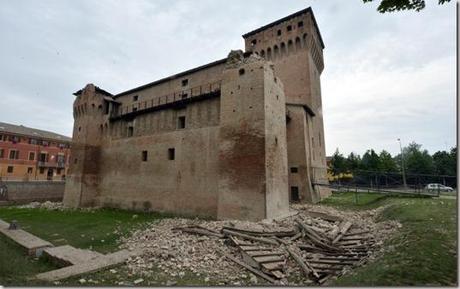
x=402 y=164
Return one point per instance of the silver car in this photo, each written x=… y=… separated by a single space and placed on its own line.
x=438 y=188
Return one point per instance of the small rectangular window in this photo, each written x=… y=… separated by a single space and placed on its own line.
x=289 y=28
x=130 y=131
x=135 y=97
x=31 y=156
x=184 y=82
x=300 y=24
x=42 y=171
x=30 y=170
x=58 y=171
x=171 y=154
x=10 y=169
x=144 y=156
x=181 y=122
x=294 y=170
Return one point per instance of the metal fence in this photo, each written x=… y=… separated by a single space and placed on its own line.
x=372 y=181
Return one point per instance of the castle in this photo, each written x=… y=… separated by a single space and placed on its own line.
x=238 y=138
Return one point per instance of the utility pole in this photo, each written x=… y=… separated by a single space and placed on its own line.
x=402 y=164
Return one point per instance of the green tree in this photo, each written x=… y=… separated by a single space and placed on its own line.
x=353 y=162
x=387 y=163
x=398 y=5
x=370 y=161
x=417 y=161
x=338 y=164
x=445 y=163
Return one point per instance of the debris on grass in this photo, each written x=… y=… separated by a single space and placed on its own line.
x=315 y=245
x=52 y=206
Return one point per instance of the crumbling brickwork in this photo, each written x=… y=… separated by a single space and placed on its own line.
x=237 y=138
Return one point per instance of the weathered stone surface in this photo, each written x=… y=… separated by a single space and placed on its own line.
x=32 y=244
x=87 y=267
x=67 y=255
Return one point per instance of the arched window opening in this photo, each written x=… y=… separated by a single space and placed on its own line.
x=298 y=45
x=283 y=49
x=269 y=53
x=276 y=52
x=290 y=46
x=262 y=53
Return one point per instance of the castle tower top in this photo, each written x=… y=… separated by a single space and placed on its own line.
x=298 y=24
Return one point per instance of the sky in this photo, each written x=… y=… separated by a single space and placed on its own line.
x=386 y=76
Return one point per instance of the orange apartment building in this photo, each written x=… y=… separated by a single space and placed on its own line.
x=32 y=154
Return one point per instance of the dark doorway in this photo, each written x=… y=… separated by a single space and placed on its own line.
x=295 y=194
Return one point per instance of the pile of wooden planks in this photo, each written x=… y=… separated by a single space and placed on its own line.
x=320 y=250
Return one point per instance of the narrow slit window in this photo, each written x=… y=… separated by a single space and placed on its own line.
x=130 y=131
x=171 y=154
x=144 y=156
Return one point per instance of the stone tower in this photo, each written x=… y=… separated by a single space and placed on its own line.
x=90 y=111
x=253 y=178
x=295 y=46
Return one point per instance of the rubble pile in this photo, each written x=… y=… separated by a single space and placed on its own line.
x=53 y=206
x=45 y=205
x=312 y=246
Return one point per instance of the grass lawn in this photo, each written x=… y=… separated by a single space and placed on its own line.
x=98 y=230
x=423 y=252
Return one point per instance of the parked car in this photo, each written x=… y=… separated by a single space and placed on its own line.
x=438 y=188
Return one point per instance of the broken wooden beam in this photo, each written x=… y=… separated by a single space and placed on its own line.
x=307 y=269
x=332 y=262
x=342 y=232
x=262 y=233
x=249 y=237
x=357 y=233
x=251 y=269
x=200 y=231
x=295 y=237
